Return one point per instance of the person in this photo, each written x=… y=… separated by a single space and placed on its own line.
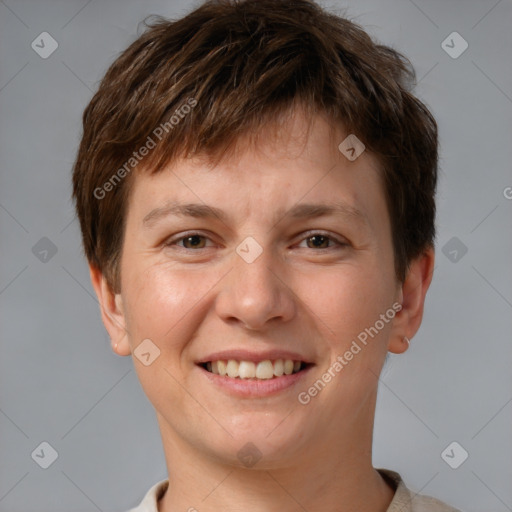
x=255 y=186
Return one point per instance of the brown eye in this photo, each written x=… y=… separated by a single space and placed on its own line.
x=193 y=242
x=318 y=242
x=190 y=242
x=323 y=241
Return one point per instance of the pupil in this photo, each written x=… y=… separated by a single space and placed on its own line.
x=318 y=240
x=193 y=240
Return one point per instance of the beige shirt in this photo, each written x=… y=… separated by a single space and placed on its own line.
x=404 y=500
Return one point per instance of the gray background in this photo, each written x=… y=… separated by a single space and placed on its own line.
x=59 y=380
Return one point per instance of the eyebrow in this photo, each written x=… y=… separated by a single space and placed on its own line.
x=299 y=211
x=201 y=211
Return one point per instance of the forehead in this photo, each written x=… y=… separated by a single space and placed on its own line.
x=291 y=162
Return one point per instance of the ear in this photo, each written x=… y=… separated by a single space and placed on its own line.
x=112 y=314
x=412 y=297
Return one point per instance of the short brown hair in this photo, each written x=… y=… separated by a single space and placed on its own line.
x=242 y=64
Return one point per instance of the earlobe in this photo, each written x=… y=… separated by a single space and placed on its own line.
x=413 y=292
x=399 y=346
x=112 y=312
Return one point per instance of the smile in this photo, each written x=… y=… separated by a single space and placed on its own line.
x=262 y=370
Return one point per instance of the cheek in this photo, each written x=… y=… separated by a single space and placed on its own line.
x=347 y=300
x=164 y=304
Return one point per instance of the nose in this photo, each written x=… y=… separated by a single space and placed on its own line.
x=256 y=295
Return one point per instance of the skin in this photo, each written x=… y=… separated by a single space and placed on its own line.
x=295 y=296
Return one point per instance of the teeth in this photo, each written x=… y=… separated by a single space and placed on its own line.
x=279 y=368
x=221 y=365
x=265 y=370
x=249 y=370
x=232 y=368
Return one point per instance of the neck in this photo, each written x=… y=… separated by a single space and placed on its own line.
x=335 y=476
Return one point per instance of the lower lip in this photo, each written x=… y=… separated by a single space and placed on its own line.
x=255 y=388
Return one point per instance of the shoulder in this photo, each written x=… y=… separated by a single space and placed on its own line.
x=405 y=500
x=421 y=503
x=150 y=501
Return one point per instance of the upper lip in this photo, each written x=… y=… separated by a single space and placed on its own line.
x=247 y=355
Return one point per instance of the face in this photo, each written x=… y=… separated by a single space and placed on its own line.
x=277 y=260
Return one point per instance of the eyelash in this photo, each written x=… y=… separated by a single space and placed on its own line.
x=310 y=234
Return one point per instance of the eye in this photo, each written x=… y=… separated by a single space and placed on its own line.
x=189 y=241
x=313 y=240
x=318 y=240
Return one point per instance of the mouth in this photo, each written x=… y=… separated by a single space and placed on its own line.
x=263 y=370
x=255 y=379
x=248 y=374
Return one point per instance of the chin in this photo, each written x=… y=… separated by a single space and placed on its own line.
x=262 y=439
